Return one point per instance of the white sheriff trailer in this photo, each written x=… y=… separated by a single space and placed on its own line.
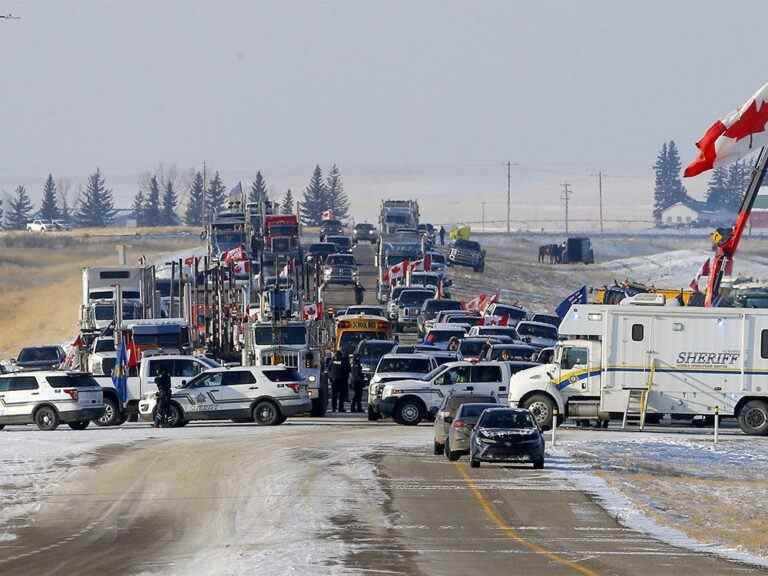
x=644 y=361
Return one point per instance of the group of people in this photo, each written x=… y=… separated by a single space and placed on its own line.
x=343 y=375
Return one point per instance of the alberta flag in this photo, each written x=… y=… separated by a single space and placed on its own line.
x=120 y=372
x=578 y=297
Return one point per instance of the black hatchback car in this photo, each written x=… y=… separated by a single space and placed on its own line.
x=506 y=435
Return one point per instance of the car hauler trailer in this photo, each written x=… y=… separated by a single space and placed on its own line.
x=649 y=360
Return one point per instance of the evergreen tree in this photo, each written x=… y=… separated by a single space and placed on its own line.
x=152 y=216
x=48 y=208
x=19 y=210
x=668 y=188
x=717 y=189
x=96 y=208
x=258 y=190
x=170 y=201
x=1 y=214
x=216 y=194
x=287 y=205
x=336 y=198
x=139 y=207
x=314 y=200
x=736 y=185
x=660 y=201
x=677 y=192
x=194 y=214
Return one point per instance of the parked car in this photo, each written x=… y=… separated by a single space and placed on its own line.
x=507 y=352
x=506 y=435
x=408 y=306
x=48 y=398
x=467 y=253
x=430 y=309
x=537 y=334
x=455 y=421
x=266 y=395
x=343 y=243
x=440 y=335
x=340 y=269
x=365 y=232
x=62 y=226
x=39 y=358
x=40 y=226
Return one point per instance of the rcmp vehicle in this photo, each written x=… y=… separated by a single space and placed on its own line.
x=411 y=401
x=351 y=330
x=48 y=398
x=264 y=395
x=395 y=367
x=645 y=359
x=449 y=421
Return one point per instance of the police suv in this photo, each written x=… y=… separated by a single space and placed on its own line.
x=266 y=395
x=411 y=401
x=48 y=398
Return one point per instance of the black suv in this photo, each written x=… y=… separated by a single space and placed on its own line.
x=365 y=232
x=467 y=253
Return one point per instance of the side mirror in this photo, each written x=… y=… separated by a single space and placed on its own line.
x=183 y=383
x=448 y=419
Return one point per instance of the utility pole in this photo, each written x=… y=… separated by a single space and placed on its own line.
x=509 y=193
x=565 y=197
x=600 y=190
x=482 y=216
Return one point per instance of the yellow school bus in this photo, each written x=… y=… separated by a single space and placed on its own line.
x=350 y=330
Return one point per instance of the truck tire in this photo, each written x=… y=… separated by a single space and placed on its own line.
x=542 y=408
x=753 y=418
x=474 y=463
x=46 y=418
x=79 y=425
x=111 y=415
x=175 y=416
x=266 y=413
x=538 y=464
x=408 y=412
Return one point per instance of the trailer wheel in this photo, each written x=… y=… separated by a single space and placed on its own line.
x=542 y=409
x=753 y=418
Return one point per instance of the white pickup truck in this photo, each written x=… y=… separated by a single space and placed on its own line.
x=40 y=226
x=179 y=367
x=408 y=402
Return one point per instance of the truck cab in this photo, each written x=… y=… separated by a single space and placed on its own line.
x=570 y=384
x=281 y=236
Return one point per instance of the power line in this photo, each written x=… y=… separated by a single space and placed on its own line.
x=565 y=197
x=509 y=194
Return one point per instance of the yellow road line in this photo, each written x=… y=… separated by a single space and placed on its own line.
x=511 y=533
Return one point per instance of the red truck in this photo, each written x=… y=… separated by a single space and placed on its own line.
x=281 y=236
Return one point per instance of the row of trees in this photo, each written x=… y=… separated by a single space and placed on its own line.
x=156 y=203
x=94 y=206
x=724 y=191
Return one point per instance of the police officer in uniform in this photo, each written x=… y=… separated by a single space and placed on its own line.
x=163 y=383
x=359 y=293
x=357 y=381
x=339 y=377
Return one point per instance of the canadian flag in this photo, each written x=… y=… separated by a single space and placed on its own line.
x=398 y=270
x=477 y=303
x=242 y=268
x=235 y=255
x=327 y=215
x=313 y=311
x=189 y=262
x=704 y=271
x=496 y=320
x=733 y=137
x=427 y=262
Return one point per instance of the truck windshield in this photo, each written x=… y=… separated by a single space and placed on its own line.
x=42 y=354
x=104 y=345
x=414 y=297
x=506 y=419
x=228 y=240
x=340 y=260
x=283 y=230
x=422 y=365
x=537 y=331
x=107 y=312
x=349 y=340
x=286 y=335
x=161 y=340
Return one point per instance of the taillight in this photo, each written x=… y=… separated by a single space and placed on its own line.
x=72 y=393
x=459 y=424
x=295 y=386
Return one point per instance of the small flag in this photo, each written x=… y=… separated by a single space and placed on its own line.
x=120 y=372
x=577 y=297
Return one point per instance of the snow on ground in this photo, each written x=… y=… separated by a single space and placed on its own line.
x=676 y=268
x=678 y=487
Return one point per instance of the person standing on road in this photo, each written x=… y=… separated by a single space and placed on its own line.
x=356 y=380
x=163 y=383
x=339 y=377
x=442 y=235
x=359 y=293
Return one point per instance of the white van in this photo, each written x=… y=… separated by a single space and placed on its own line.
x=50 y=398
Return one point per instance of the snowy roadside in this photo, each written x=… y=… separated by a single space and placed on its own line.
x=679 y=488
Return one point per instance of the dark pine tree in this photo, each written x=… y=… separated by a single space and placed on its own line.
x=19 y=210
x=216 y=194
x=1 y=215
x=170 y=201
x=660 y=200
x=49 y=210
x=736 y=185
x=139 y=207
x=96 y=207
x=152 y=216
x=314 y=200
x=258 y=191
x=194 y=213
x=287 y=205
x=717 y=189
x=676 y=190
x=336 y=198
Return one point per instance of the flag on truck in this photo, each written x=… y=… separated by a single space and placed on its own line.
x=327 y=215
x=477 y=304
x=397 y=271
x=120 y=372
x=577 y=297
x=235 y=255
x=734 y=136
x=313 y=311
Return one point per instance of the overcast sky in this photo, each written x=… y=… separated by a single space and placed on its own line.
x=283 y=85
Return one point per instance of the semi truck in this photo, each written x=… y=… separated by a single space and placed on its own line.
x=281 y=237
x=644 y=359
x=395 y=215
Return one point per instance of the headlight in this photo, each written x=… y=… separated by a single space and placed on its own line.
x=486 y=440
x=312 y=379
